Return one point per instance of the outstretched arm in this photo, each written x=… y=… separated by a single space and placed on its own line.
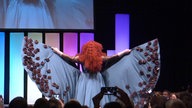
x=110 y=60
x=124 y=52
x=65 y=56
x=118 y=55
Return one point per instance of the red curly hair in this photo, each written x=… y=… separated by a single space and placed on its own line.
x=91 y=56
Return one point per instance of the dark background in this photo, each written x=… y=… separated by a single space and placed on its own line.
x=167 y=20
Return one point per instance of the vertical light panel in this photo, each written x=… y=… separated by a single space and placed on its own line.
x=110 y=52
x=121 y=32
x=16 y=68
x=33 y=92
x=2 y=61
x=70 y=43
x=52 y=39
x=85 y=37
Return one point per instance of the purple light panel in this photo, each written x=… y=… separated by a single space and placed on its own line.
x=85 y=37
x=70 y=43
x=122 y=32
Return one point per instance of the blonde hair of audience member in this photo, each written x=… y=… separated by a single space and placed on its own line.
x=173 y=96
x=157 y=93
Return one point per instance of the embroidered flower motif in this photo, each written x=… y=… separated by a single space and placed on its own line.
x=36 y=50
x=149 y=43
x=140 y=62
x=37 y=58
x=155 y=43
x=127 y=87
x=52 y=92
x=37 y=64
x=134 y=94
x=36 y=41
x=148 y=75
x=45 y=46
x=42 y=63
x=144 y=83
x=47 y=60
x=149 y=68
x=48 y=71
x=146 y=54
x=148 y=59
x=141 y=72
x=49 y=77
x=140 y=84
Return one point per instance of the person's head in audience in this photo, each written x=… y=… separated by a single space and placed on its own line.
x=166 y=94
x=173 y=96
x=1 y=104
x=175 y=103
x=18 y=102
x=113 y=105
x=54 y=103
x=186 y=97
x=157 y=102
x=84 y=106
x=41 y=103
x=157 y=93
x=72 y=104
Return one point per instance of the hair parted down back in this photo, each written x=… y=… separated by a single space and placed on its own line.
x=91 y=56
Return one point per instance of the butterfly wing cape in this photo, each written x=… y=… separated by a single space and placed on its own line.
x=136 y=73
x=49 y=71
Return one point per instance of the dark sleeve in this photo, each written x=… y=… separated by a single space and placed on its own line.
x=108 y=63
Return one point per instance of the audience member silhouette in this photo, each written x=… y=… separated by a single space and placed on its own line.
x=41 y=103
x=18 y=102
x=72 y=104
x=175 y=103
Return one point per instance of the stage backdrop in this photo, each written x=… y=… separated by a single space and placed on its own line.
x=14 y=81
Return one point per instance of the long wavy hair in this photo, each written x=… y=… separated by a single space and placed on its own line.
x=91 y=56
